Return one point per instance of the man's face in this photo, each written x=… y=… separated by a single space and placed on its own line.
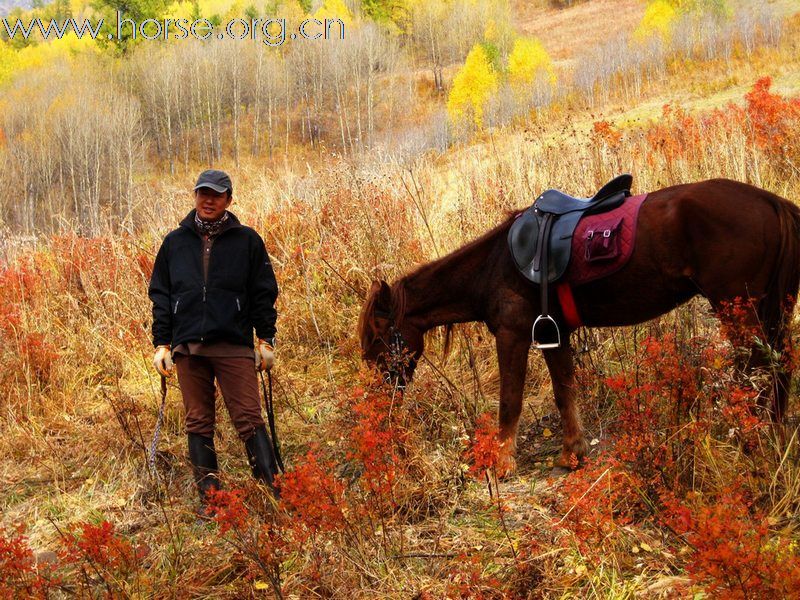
x=211 y=205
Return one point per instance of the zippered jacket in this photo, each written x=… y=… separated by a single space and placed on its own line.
x=237 y=296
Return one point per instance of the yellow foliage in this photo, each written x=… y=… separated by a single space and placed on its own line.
x=77 y=7
x=8 y=62
x=235 y=11
x=36 y=55
x=658 y=19
x=291 y=11
x=180 y=10
x=527 y=61
x=490 y=31
x=498 y=32
x=209 y=8
x=334 y=9
x=472 y=87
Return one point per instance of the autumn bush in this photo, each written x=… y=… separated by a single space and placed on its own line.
x=385 y=493
x=690 y=454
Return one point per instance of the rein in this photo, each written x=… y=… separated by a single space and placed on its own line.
x=271 y=419
x=397 y=351
x=151 y=458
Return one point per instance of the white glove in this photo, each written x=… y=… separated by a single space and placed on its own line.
x=265 y=355
x=162 y=360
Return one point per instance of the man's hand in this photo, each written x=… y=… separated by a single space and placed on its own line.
x=162 y=360
x=265 y=355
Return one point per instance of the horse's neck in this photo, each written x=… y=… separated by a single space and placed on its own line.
x=445 y=291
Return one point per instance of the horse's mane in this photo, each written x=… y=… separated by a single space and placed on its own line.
x=429 y=268
x=366 y=323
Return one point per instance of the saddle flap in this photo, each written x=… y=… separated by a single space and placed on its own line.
x=543 y=232
x=523 y=238
x=523 y=241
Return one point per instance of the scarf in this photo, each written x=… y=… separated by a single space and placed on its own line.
x=210 y=228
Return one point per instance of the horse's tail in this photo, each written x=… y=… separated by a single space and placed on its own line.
x=775 y=309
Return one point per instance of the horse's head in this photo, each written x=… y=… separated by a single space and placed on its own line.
x=388 y=341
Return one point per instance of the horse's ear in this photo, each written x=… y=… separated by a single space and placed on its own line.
x=384 y=298
x=374 y=288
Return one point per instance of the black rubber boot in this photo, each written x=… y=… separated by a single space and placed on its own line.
x=262 y=458
x=203 y=457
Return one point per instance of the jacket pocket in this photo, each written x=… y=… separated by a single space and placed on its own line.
x=226 y=316
x=187 y=313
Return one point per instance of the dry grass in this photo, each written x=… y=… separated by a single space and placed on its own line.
x=72 y=441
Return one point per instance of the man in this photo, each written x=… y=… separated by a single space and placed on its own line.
x=212 y=284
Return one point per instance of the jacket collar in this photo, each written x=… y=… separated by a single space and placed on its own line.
x=188 y=222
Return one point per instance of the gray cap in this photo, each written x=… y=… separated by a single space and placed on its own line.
x=216 y=180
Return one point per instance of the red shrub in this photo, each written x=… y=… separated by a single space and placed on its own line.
x=775 y=120
x=313 y=495
x=604 y=132
x=733 y=553
x=484 y=451
x=376 y=438
x=599 y=499
x=228 y=509
x=101 y=546
x=19 y=575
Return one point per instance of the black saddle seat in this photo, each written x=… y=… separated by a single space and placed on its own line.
x=559 y=203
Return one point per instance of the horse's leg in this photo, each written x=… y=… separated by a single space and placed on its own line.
x=562 y=373
x=512 y=358
x=754 y=358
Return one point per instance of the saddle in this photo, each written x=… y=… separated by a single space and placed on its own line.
x=540 y=241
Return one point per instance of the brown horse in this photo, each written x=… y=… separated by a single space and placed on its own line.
x=719 y=238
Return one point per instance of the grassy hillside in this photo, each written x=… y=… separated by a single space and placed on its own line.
x=685 y=494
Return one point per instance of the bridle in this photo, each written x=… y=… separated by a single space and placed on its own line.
x=397 y=355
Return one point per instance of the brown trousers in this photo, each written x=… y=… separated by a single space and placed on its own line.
x=237 y=380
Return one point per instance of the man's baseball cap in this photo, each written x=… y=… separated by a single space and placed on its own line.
x=216 y=180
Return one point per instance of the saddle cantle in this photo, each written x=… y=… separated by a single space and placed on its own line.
x=540 y=241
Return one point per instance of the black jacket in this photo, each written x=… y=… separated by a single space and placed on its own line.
x=239 y=295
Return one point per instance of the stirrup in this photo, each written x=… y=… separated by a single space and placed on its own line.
x=542 y=321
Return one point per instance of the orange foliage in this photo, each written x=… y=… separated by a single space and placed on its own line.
x=19 y=575
x=734 y=555
x=484 y=450
x=313 y=496
x=767 y=122
x=774 y=119
x=675 y=399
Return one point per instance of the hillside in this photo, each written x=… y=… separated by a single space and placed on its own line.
x=361 y=162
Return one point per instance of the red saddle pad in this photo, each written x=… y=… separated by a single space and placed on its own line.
x=602 y=244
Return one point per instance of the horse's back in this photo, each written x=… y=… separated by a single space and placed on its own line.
x=719 y=238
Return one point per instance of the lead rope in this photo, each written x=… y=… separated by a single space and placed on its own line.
x=271 y=419
x=151 y=459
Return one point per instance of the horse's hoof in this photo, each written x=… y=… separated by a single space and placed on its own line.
x=506 y=466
